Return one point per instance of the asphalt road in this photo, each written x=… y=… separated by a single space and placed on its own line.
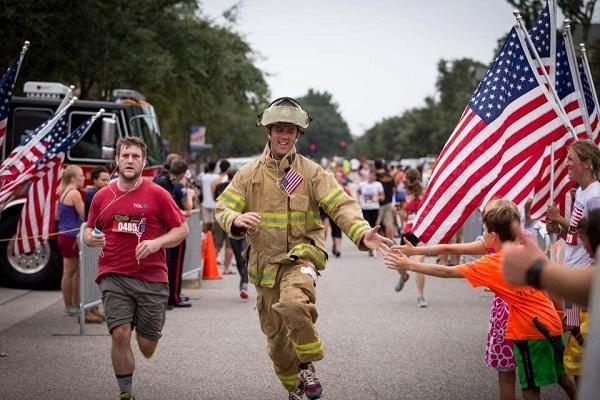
x=378 y=344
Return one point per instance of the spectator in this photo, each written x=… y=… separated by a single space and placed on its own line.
x=385 y=216
x=183 y=196
x=219 y=235
x=70 y=217
x=583 y=165
x=370 y=194
x=163 y=179
x=414 y=194
x=208 y=200
x=237 y=245
x=100 y=176
x=537 y=350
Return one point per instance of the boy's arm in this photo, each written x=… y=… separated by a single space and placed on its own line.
x=398 y=261
x=477 y=248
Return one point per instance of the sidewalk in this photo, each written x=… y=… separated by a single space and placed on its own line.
x=18 y=305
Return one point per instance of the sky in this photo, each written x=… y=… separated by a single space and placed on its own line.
x=377 y=58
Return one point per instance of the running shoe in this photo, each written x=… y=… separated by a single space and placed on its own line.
x=400 y=285
x=126 y=396
x=310 y=382
x=421 y=302
x=297 y=394
x=244 y=294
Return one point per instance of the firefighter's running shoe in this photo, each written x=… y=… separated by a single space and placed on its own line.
x=297 y=394
x=310 y=382
x=126 y=396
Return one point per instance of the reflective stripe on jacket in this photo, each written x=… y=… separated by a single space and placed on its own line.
x=290 y=226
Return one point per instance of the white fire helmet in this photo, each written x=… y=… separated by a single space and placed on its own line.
x=284 y=110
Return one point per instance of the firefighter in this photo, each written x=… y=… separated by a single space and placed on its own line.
x=274 y=201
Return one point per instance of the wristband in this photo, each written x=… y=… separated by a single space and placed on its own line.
x=534 y=273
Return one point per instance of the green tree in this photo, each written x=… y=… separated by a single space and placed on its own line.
x=424 y=130
x=328 y=131
x=191 y=69
x=580 y=12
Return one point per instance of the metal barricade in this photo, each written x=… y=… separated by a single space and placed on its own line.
x=192 y=260
x=89 y=290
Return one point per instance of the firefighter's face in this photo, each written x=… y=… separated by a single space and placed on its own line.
x=283 y=138
x=131 y=162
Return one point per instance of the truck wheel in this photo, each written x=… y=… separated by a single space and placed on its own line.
x=40 y=269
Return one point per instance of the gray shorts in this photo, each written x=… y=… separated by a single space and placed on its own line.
x=386 y=215
x=132 y=301
x=208 y=215
x=220 y=237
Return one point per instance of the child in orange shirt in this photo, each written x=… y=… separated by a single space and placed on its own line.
x=538 y=363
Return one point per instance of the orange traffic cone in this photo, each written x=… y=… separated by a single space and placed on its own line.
x=210 y=270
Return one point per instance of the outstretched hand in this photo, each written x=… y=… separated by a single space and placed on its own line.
x=407 y=248
x=374 y=241
x=519 y=257
x=394 y=258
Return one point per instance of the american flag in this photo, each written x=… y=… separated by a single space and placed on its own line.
x=589 y=96
x=571 y=314
x=544 y=40
x=22 y=162
x=37 y=216
x=290 y=181
x=7 y=85
x=570 y=99
x=509 y=117
x=517 y=183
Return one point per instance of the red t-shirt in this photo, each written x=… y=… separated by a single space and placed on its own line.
x=148 y=211
x=524 y=303
x=411 y=208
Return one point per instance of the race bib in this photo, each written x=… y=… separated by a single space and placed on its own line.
x=129 y=224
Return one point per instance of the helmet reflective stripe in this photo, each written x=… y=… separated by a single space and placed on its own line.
x=284 y=113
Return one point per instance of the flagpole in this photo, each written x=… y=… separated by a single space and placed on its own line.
x=562 y=114
x=552 y=172
x=588 y=74
x=21 y=56
x=576 y=78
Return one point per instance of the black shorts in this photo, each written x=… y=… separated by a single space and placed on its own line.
x=410 y=238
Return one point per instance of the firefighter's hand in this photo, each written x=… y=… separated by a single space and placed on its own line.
x=373 y=240
x=249 y=221
x=146 y=247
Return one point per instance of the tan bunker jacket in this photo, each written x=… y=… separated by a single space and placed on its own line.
x=290 y=226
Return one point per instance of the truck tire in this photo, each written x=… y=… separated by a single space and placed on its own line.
x=40 y=269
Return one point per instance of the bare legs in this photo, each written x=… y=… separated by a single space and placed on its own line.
x=69 y=284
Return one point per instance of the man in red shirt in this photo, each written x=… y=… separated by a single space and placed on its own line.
x=133 y=220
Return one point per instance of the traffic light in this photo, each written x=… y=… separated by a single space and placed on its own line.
x=313 y=146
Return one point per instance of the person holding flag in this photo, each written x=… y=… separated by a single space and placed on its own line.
x=583 y=166
x=274 y=201
x=133 y=220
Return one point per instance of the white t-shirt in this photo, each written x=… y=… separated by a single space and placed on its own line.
x=208 y=200
x=369 y=195
x=575 y=254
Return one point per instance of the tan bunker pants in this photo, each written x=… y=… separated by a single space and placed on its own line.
x=287 y=314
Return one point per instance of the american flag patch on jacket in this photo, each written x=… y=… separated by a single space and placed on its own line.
x=290 y=181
